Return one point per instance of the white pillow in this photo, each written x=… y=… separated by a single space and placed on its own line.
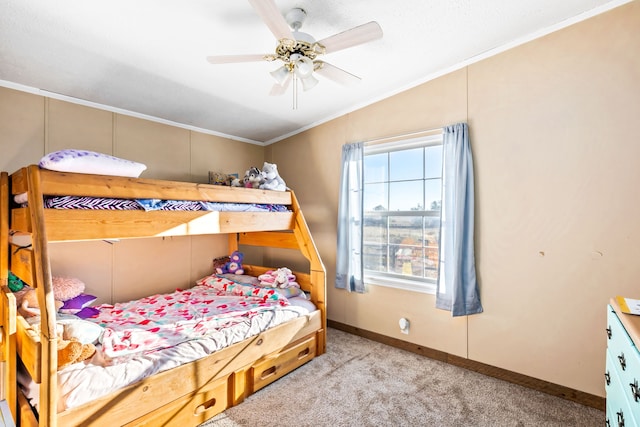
x=302 y=302
x=84 y=161
x=83 y=330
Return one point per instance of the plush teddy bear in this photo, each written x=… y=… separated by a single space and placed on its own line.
x=75 y=339
x=73 y=351
x=233 y=266
x=271 y=178
x=64 y=289
x=253 y=178
x=280 y=278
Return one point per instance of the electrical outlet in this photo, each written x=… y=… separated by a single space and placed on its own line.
x=404 y=325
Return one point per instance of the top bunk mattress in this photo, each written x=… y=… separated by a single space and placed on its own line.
x=87 y=202
x=65 y=190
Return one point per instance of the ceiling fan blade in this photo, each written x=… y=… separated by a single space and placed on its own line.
x=357 y=35
x=229 y=59
x=280 y=89
x=272 y=17
x=336 y=74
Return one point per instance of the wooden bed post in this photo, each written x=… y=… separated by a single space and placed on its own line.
x=233 y=242
x=42 y=275
x=318 y=271
x=8 y=389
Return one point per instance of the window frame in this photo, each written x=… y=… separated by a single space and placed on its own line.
x=393 y=280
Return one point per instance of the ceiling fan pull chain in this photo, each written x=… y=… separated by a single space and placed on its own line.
x=295 y=91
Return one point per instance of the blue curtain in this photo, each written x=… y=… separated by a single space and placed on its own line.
x=457 y=289
x=349 y=269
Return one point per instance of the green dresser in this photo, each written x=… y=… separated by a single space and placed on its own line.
x=622 y=375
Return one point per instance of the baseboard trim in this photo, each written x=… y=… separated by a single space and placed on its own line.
x=563 y=392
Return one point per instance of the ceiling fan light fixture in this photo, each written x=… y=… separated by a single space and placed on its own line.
x=280 y=74
x=303 y=67
x=308 y=82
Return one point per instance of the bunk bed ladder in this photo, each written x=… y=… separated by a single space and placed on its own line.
x=43 y=282
x=8 y=390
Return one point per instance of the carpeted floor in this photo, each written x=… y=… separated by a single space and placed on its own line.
x=359 y=382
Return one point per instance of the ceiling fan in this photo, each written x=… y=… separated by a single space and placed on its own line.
x=298 y=51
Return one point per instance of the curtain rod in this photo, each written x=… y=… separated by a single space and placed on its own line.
x=386 y=139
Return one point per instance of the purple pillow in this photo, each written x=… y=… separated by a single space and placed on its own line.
x=74 y=305
x=88 y=312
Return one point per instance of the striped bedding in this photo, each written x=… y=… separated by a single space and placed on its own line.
x=83 y=202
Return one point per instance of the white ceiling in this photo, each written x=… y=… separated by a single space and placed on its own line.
x=147 y=57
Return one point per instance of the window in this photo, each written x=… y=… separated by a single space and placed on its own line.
x=402 y=199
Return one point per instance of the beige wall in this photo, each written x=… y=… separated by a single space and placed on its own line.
x=553 y=132
x=32 y=125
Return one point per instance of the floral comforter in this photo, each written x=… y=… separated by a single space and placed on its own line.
x=165 y=320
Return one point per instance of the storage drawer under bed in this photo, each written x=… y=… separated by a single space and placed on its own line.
x=214 y=398
x=276 y=365
x=199 y=406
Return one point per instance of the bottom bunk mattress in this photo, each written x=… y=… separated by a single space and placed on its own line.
x=151 y=335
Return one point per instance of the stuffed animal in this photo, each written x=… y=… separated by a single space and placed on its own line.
x=15 y=284
x=271 y=178
x=220 y=178
x=220 y=262
x=73 y=351
x=75 y=339
x=280 y=278
x=253 y=178
x=233 y=266
x=64 y=288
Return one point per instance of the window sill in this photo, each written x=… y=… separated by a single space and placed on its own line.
x=398 y=283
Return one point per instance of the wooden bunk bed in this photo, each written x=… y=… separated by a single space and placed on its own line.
x=186 y=395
